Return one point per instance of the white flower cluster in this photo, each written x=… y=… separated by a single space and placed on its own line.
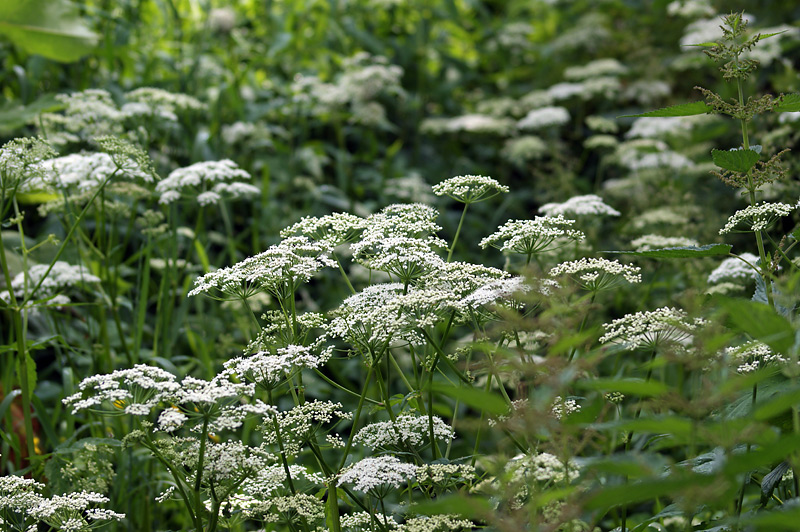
x=521 y=150
x=132 y=391
x=300 y=423
x=598 y=274
x=330 y=230
x=370 y=474
x=270 y=368
x=544 y=117
x=364 y=321
x=22 y=164
x=690 y=8
x=279 y=270
x=89 y=170
x=469 y=188
x=735 y=269
x=150 y=101
x=757 y=217
x=22 y=503
x=636 y=161
x=649 y=242
x=210 y=180
x=60 y=277
x=408 y=429
x=651 y=329
x=596 y=68
x=604 y=86
x=470 y=123
x=647 y=127
x=531 y=236
x=564 y=407
x=542 y=468
x=752 y=356
x=587 y=205
x=87 y=114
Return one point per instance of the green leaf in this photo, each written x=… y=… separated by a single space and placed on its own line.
x=684 y=252
x=638 y=387
x=50 y=28
x=771 y=481
x=789 y=104
x=682 y=109
x=474 y=397
x=467 y=507
x=781 y=403
x=759 y=321
x=14 y=116
x=735 y=160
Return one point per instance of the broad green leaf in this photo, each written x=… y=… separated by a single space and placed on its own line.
x=682 y=109
x=771 y=481
x=790 y=104
x=776 y=405
x=735 y=160
x=684 y=252
x=467 y=507
x=50 y=28
x=6 y=403
x=759 y=321
x=610 y=496
x=474 y=397
x=14 y=116
x=639 y=387
x=783 y=518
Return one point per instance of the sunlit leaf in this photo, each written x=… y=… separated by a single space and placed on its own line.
x=682 y=109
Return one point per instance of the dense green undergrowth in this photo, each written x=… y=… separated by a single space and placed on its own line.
x=242 y=290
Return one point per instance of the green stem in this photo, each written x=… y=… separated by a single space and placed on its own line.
x=458 y=231
x=356 y=417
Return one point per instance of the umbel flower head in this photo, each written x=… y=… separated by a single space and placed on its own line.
x=588 y=205
x=532 y=236
x=210 y=180
x=21 y=164
x=469 y=188
x=651 y=329
x=376 y=474
x=598 y=274
x=757 y=217
x=279 y=271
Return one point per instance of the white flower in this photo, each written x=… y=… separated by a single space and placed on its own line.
x=518 y=151
x=372 y=473
x=564 y=407
x=408 y=429
x=690 y=8
x=210 y=180
x=471 y=123
x=331 y=230
x=544 y=117
x=268 y=368
x=735 y=269
x=588 y=205
x=87 y=171
x=649 y=330
x=531 y=236
x=752 y=356
x=596 y=68
x=598 y=274
x=648 y=242
x=279 y=271
x=60 y=277
x=757 y=217
x=469 y=188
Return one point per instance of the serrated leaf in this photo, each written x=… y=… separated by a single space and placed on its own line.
x=759 y=321
x=682 y=109
x=735 y=160
x=50 y=28
x=474 y=397
x=638 y=387
x=683 y=252
x=790 y=104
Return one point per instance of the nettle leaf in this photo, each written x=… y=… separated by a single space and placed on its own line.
x=682 y=109
x=50 y=28
x=789 y=104
x=735 y=160
x=683 y=252
x=759 y=321
x=474 y=397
